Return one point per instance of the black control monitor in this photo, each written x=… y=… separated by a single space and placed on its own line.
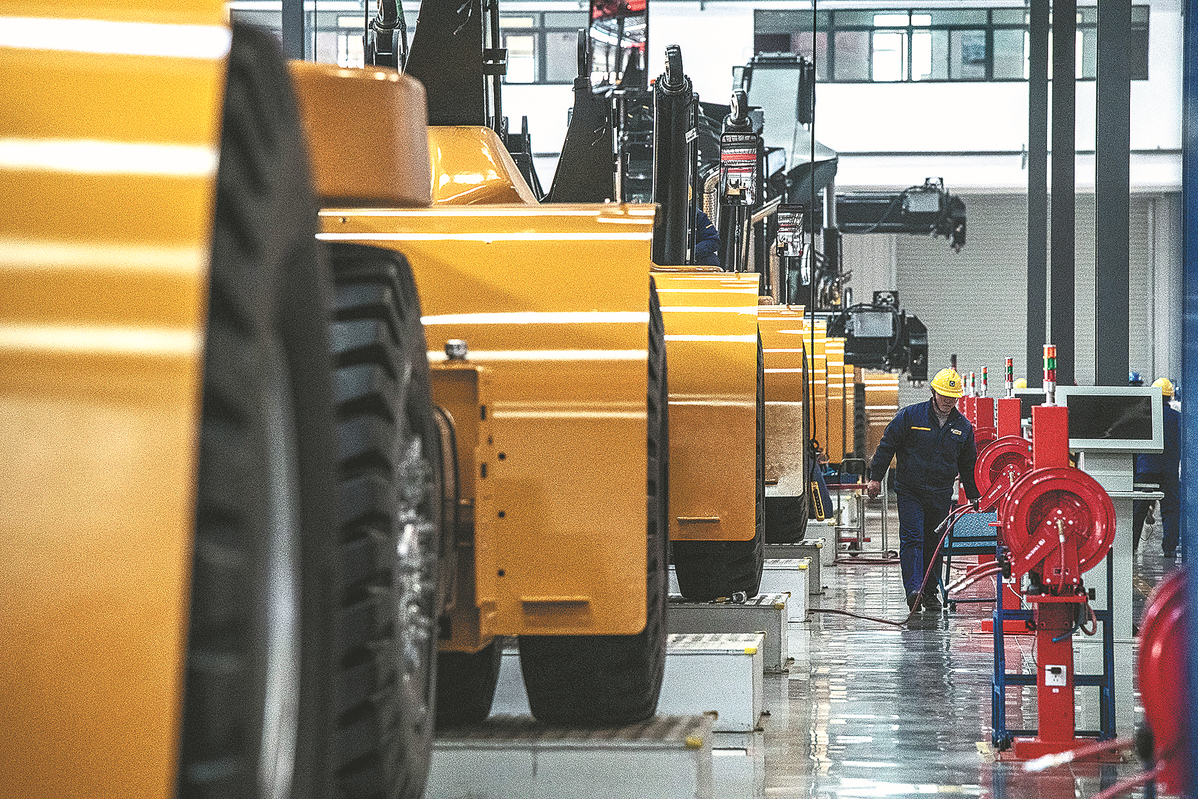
x=1029 y=398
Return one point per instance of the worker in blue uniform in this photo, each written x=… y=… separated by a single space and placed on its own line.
x=1162 y=469
x=934 y=444
x=707 y=239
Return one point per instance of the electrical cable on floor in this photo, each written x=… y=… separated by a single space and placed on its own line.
x=947 y=526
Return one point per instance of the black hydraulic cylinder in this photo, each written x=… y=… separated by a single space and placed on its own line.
x=673 y=164
x=739 y=168
x=447 y=57
x=586 y=168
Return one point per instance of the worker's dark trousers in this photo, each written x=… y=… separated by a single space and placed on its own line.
x=918 y=519
x=1170 y=511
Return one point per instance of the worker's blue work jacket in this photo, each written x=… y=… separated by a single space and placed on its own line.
x=929 y=456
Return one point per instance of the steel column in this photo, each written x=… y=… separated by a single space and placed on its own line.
x=1189 y=364
x=1112 y=281
x=1037 y=191
x=1062 y=304
x=293 y=29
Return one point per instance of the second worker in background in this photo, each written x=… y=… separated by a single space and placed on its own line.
x=934 y=444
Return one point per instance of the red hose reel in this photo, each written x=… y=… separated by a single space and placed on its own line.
x=1058 y=522
x=999 y=466
x=1163 y=678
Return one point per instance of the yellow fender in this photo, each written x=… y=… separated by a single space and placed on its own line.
x=711 y=347
x=782 y=336
x=108 y=156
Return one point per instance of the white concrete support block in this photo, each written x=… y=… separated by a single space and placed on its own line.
x=814 y=549
x=705 y=673
x=514 y=756
x=791 y=577
x=766 y=613
x=717 y=674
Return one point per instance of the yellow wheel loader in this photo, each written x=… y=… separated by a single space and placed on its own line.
x=548 y=362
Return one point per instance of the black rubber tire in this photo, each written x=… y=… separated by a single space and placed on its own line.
x=710 y=570
x=466 y=685
x=607 y=680
x=255 y=716
x=390 y=507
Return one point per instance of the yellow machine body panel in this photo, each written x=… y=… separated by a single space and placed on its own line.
x=817 y=369
x=711 y=351
x=462 y=390
x=834 y=437
x=471 y=166
x=782 y=329
x=553 y=302
x=367 y=130
x=108 y=153
x=881 y=404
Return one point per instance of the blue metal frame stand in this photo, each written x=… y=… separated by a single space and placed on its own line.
x=1001 y=735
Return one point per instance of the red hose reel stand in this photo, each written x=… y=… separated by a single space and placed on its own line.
x=1057 y=523
x=1163 y=678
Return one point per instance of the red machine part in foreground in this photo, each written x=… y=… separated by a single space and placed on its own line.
x=999 y=467
x=1163 y=679
x=1059 y=522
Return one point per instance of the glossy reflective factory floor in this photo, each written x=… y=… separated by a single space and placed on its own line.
x=872 y=710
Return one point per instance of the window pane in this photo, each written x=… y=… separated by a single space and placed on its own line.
x=891 y=20
x=801 y=43
x=854 y=19
x=921 y=55
x=951 y=16
x=852 y=55
x=923 y=20
x=521 y=57
x=771 y=43
x=561 y=56
x=889 y=56
x=967 y=59
x=565 y=19
x=939 y=55
x=1087 y=52
x=517 y=22
x=781 y=21
x=1009 y=59
x=1008 y=16
x=1087 y=16
x=1137 y=53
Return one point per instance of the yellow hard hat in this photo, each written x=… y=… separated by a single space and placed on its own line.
x=1165 y=385
x=1021 y=382
x=948 y=383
